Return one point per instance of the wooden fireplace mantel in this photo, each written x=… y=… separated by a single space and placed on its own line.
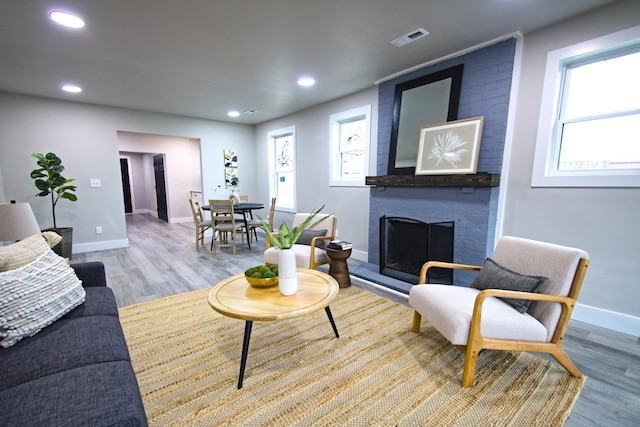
x=482 y=179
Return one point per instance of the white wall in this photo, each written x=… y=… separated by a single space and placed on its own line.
x=603 y=221
x=349 y=204
x=85 y=137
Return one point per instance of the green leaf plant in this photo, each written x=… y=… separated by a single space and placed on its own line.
x=49 y=181
x=285 y=238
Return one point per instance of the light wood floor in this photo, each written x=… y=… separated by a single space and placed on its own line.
x=162 y=260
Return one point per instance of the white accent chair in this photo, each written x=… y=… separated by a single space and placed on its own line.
x=310 y=249
x=474 y=319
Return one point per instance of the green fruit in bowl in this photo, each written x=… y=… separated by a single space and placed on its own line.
x=262 y=275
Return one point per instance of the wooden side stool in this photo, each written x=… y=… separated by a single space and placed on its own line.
x=338 y=268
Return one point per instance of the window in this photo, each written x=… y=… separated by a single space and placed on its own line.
x=590 y=115
x=349 y=132
x=282 y=155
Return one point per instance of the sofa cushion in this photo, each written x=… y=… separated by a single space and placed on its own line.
x=27 y=250
x=35 y=295
x=67 y=344
x=104 y=394
x=98 y=302
x=494 y=276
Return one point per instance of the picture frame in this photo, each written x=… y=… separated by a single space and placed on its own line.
x=230 y=159
x=450 y=148
x=231 y=177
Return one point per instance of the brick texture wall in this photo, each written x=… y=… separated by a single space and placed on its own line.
x=486 y=86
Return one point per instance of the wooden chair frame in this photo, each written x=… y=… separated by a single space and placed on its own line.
x=202 y=224
x=476 y=342
x=224 y=222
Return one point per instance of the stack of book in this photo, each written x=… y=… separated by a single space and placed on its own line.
x=339 y=245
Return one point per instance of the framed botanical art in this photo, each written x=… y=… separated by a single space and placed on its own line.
x=449 y=148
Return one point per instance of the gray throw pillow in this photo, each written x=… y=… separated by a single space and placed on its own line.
x=307 y=236
x=494 y=276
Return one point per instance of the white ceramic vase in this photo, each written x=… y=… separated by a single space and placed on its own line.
x=234 y=196
x=287 y=274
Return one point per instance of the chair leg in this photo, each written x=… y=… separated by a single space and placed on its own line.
x=416 y=322
x=197 y=237
x=562 y=358
x=470 y=359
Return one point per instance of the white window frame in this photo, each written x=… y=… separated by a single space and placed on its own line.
x=545 y=173
x=271 y=137
x=335 y=120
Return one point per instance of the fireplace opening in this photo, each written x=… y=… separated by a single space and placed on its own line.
x=406 y=244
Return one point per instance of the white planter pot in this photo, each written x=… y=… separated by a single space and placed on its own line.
x=287 y=273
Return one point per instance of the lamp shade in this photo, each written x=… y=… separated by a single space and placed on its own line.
x=17 y=221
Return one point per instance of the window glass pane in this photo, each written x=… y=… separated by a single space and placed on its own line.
x=352 y=164
x=606 y=86
x=284 y=152
x=352 y=135
x=285 y=188
x=612 y=143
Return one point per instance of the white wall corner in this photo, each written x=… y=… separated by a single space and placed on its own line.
x=607 y=319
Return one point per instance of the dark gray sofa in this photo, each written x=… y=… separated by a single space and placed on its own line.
x=75 y=372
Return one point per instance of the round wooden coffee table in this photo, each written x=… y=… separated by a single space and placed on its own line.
x=235 y=297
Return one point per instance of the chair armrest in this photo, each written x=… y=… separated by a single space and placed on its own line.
x=267 y=243
x=441 y=264
x=476 y=317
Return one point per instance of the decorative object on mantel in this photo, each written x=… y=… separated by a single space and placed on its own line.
x=284 y=239
x=451 y=147
x=480 y=179
x=49 y=181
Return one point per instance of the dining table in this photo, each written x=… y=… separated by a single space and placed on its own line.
x=246 y=209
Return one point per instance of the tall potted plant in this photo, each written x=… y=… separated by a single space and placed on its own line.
x=284 y=239
x=49 y=181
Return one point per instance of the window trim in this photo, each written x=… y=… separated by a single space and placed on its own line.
x=544 y=172
x=334 y=134
x=271 y=136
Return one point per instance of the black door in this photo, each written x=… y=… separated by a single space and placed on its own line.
x=161 y=191
x=126 y=185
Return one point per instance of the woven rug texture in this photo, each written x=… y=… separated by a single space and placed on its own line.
x=378 y=373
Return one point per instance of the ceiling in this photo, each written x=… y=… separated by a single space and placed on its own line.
x=202 y=58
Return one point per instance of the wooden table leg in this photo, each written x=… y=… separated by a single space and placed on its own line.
x=245 y=350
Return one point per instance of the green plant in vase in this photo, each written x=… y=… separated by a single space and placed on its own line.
x=49 y=181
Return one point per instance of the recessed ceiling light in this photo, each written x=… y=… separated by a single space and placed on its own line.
x=306 y=81
x=66 y=19
x=71 y=88
x=233 y=113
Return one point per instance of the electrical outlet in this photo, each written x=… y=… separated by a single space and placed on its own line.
x=98 y=230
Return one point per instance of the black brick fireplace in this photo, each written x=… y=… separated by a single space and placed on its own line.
x=406 y=244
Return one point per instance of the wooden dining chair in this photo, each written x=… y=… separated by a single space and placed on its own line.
x=202 y=224
x=224 y=225
x=255 y=223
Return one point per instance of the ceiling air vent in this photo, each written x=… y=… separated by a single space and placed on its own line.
x=409 y=37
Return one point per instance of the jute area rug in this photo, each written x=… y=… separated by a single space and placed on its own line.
x=187 y=356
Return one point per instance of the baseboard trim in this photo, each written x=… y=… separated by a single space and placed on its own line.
x=607 y=319
x=78 y=248
x=180 y=220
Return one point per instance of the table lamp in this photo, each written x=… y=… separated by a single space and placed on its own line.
x=17 y=222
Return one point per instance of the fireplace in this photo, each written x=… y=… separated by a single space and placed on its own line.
x=406 y=244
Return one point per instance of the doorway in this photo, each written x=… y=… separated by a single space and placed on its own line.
x=126 y=184
x=161 y=189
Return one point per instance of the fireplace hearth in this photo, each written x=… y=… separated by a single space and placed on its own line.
x=406 y=244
